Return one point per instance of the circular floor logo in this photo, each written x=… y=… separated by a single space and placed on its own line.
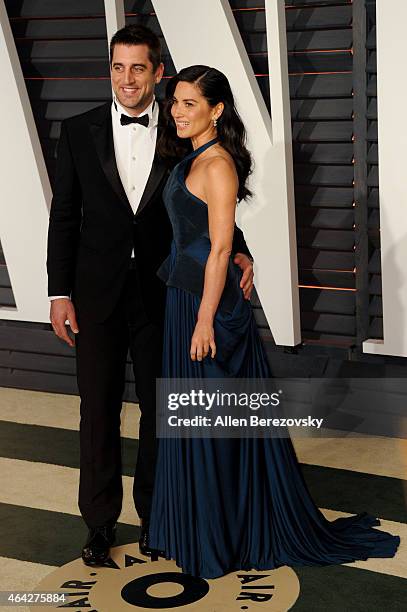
x=130 y=581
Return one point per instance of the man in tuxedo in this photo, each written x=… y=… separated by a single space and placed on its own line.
x=108 y=234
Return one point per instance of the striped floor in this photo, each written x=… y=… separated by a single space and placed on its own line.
x=41 y=528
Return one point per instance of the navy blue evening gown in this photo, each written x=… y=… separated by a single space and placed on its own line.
x=221 y=505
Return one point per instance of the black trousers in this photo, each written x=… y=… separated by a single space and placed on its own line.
x=101 y=352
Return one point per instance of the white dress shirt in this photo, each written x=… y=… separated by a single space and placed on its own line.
x=134 y=149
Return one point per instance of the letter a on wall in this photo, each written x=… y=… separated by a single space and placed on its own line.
x=25 y=189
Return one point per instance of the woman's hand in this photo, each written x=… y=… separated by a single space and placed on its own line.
x=203 y=339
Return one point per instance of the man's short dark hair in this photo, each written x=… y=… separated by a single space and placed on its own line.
x=134 y=34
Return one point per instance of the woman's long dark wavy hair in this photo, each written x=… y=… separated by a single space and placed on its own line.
x=231 y=133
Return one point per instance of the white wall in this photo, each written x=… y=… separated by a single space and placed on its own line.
x=392 y=143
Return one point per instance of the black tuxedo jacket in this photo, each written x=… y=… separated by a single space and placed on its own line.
x=92 y=227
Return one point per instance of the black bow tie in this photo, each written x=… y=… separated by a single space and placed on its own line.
x=126 y=120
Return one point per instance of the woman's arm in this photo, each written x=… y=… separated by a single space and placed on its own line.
x=221 y=185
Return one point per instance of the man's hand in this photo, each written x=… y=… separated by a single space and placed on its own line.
x=62 y=309
x=246 y=265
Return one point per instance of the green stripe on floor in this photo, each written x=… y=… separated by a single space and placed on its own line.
x=338 y=588
x=333 y=488
x=50 y=538
x=53 y=445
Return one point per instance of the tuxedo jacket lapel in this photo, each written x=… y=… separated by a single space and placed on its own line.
x=102 y=132
x=158 y=170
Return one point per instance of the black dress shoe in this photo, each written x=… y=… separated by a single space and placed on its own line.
x=144 y=543
x=97 y=548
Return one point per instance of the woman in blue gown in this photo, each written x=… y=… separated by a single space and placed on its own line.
x=221 y=505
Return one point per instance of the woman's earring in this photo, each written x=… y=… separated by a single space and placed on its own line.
x=215 y=122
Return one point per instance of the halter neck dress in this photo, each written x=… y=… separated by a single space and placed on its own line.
x=221 y=505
